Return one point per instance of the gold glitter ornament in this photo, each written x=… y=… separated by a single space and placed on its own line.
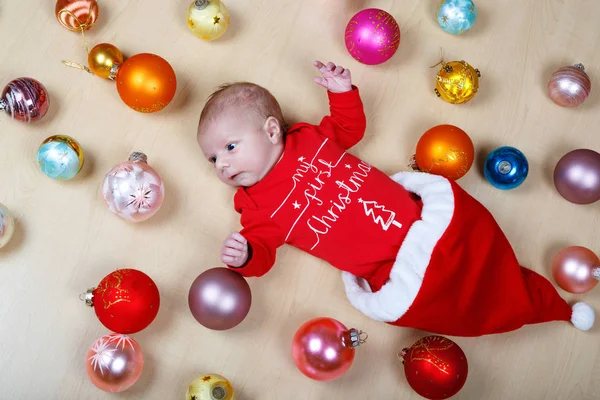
x=208 y=19
x=210 y=387
x=457 y=82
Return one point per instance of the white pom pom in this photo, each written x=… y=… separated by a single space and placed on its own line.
x=583 y=316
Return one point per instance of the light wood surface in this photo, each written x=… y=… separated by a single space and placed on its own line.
x=66 y=240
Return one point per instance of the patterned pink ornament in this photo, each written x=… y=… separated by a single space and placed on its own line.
x=114 y=362
x=372 y=36
x=133 y=190
x=569 y=86
x=25 y=100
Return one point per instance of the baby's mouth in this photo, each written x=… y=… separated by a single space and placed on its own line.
x=232 y=177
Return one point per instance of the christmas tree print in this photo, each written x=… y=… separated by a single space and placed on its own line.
x=371 y=207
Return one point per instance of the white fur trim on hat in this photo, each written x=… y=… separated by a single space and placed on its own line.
x=583 y=316
x=399 y=292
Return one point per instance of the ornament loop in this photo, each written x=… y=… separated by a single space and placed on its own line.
x=138 y=156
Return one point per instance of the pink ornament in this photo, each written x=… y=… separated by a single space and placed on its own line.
x=576 y=269
x=569 y=86
x=372 y=36
x=323 y=348
x=133 y=190
x=25 y=100
x=577 y=176
x=114 y=362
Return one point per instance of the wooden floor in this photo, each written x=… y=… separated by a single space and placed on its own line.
x=66 y=240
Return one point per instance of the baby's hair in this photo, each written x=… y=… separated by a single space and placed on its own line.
x=242 y=94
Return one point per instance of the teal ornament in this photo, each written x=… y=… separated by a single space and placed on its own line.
x=506 y=168
x=456 y=16
x=60 y=157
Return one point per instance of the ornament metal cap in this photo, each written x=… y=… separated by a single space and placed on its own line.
x=354 y=338
x=218 y=392
x=580 y=66
x=138 y=156
x=201 y=4
x=596 y=273
x=88 y=297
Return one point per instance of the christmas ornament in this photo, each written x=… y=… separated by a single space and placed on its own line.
x=577 y=176
x=208 y=19
x=506 y=168
x=133 y=190
x=372 y=36
x=569 y=86
x=145 y=82
x=7 y=225
x=576 y=269
x=219 y=298
x=210 y=387
x=435 y=367
x=444 y=150
x=457 y=82
x=323 y=348
x=60 y=157
x=76 y=15
x=125 y=301
x=25 y=100
x=456 y=16
x=114 y=362
x=104 y=60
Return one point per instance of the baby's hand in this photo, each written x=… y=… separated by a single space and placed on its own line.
x=336 y=79
x=235 y=250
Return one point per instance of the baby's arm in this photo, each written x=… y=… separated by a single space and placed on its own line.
x=346 y=123
x=252 y=251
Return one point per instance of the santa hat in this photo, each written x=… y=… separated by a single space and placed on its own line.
x=456 y=273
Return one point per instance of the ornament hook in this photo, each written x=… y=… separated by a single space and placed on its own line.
x=441 y=58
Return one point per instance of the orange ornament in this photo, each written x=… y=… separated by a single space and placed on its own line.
x=444 y=150
x=146 y=82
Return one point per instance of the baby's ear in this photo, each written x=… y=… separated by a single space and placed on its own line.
x=273 y=130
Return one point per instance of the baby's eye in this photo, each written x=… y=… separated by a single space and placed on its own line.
x=230 y=146
x=213 y=159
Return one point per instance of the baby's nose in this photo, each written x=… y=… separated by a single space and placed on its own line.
x=222 y=164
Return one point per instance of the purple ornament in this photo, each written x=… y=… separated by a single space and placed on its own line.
x=577 y=176
x=372 y=36
x=25 y=100
x=219 y=298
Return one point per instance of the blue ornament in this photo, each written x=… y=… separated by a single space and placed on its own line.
x=506 y=168
x=456 y=16
x=60 y=157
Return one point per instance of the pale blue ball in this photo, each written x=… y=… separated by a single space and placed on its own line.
x=456 y=16
x=60 y=158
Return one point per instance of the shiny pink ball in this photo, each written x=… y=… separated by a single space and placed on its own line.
x=569 y=86
x=114 y=362
x=372 y=36
x=576 y=269
x=133 y=190
x=323 y=348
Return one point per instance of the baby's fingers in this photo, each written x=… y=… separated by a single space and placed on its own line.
x=338 y=70
x=228 y=251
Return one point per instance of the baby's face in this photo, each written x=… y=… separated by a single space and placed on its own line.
x=241 y=150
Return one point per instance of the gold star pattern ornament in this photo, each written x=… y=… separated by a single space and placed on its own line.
x=210 y=387
x=208 y=19
x=457 y=82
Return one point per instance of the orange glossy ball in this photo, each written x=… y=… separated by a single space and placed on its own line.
x=445 y=150
x=146 y=82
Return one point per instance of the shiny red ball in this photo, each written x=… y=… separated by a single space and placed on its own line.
x=126 y=301
x=435 y=367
